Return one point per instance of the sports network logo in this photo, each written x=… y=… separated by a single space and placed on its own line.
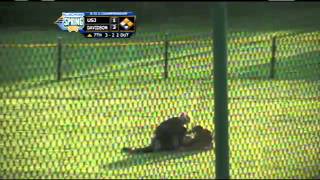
x=71 y=22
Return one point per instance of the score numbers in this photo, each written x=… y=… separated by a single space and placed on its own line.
x=109 y=35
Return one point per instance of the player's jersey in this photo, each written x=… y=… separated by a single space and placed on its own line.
x=172 y=126
x=170 y=131
x=201 y=140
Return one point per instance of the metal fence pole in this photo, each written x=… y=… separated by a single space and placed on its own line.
x=59 y=46
x=220 y=91
x=166 y=56
x=273 y=57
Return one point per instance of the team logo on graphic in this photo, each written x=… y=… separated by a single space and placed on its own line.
x=126 y=24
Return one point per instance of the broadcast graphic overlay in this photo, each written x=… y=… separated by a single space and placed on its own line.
x=99 y=24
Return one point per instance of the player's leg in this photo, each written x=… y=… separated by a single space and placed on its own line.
x=154 y=146
x=175 y=142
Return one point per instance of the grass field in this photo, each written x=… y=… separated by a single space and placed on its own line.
x=75 y=128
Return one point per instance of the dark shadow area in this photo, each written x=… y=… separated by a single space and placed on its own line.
x=30 y=71
x=17 y=62
x=123 y=69
x=305 y=66
x=152 y=158
x=301 y=66
x=28 y=86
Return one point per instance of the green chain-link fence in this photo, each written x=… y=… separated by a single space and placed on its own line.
x=274 y=108
x=113 y=94
x=264 y=56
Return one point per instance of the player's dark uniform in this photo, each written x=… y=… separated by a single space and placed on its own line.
x=168 y=136
x=201 y=141
x=170 y=133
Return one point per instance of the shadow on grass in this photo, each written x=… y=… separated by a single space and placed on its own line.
x=29 y=85
x=151 y=158
x=304 y=66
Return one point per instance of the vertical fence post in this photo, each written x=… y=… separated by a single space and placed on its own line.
x=166 y=55
x=273 y=57
x=59 y=46
x=220 y=91
x=319 y=72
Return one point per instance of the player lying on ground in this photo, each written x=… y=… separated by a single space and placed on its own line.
x=168 y=136
x=202 y=140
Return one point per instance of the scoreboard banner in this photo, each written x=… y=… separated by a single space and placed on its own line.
x=99 y=24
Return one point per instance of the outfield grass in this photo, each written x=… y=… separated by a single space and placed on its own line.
x=75 y=128
x=81 y=137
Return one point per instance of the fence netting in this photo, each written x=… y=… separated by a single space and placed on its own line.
x=113 y=94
